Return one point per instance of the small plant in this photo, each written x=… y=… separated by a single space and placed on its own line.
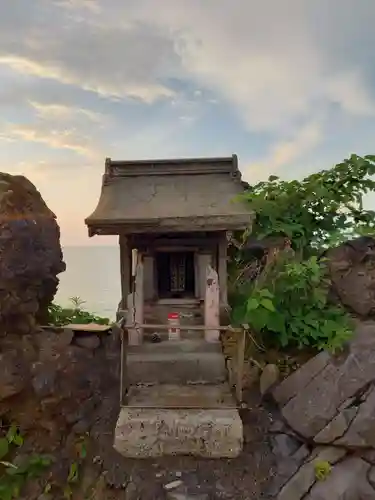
x=60 y=316
x=77 y=302
x=324 y=208
x=322 y=470
x=290 y=308
x=13 y=476
x=74 y=469
x=280 y=288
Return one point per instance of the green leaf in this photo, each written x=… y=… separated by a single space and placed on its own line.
x=276 y=323
x=267 y=304
x=259 y=319
x=266 y=293
x=252 y=304
x=82 y=451
x=73 y=473
x=18 y=440
x=4 y=447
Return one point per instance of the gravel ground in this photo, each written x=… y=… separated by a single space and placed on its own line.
x=243 y=478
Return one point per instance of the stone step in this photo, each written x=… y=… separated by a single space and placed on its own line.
x=176 y=347
x=177 y=396
x=184 y=334
x=151 y=433
x=174 y=365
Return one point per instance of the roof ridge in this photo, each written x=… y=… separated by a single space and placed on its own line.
x=172 y=166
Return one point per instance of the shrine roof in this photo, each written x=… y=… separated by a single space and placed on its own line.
x=170 y=195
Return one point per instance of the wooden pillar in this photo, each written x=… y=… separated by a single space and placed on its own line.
x=204 y=261
x=212 y=306
x=222 y=269
x=136 y=305
x=125 y=269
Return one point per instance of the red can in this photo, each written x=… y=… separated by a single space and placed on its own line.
x=174 y=326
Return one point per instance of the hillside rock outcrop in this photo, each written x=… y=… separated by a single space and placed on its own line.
x=30 y=255
x=327 y=410
x=324 y=437
x=352 y=271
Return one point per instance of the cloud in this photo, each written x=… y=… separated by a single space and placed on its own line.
x=62 y=112
x=61 y=138
x=288 y=151
x=274 y=62
x=147 y=92
x=276 y=82
x=90 y=5
x=349 y=92
x=44 y=40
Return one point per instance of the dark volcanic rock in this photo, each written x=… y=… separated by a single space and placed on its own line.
x=30 y=255
x=14 y=373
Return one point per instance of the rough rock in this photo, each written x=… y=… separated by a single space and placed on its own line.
x=269 y=377
x=371 y=476
x=297 y=381
x=14 y=373
x=31 y=256
x=337 y=427
x=284 y=445
x=89 y=341
x=360 y=432
x=286 y=467
x=52 y=342
x=68 y=392
x=347 y=481
x=352 y=271
x=329 y=401
x=368 y=456
x=321 y=392
x=301 y=482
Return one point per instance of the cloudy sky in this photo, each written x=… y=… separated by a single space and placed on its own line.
x=287 y=85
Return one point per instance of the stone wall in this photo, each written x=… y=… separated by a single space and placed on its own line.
x=59 y=388
x=30 y=255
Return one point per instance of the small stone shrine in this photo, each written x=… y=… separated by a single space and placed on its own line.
x=173 y=218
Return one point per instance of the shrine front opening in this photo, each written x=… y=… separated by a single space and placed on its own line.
x=175 y=274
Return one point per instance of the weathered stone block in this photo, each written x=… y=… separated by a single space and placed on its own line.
x=146 y=433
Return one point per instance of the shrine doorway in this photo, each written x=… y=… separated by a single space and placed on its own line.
x=175 y=273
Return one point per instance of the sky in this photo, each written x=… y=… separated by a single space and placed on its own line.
x=289 y=86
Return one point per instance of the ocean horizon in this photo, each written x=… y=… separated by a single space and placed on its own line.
x=92 y=274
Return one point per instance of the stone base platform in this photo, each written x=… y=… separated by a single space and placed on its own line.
x=176 y=362
x=209 y=425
